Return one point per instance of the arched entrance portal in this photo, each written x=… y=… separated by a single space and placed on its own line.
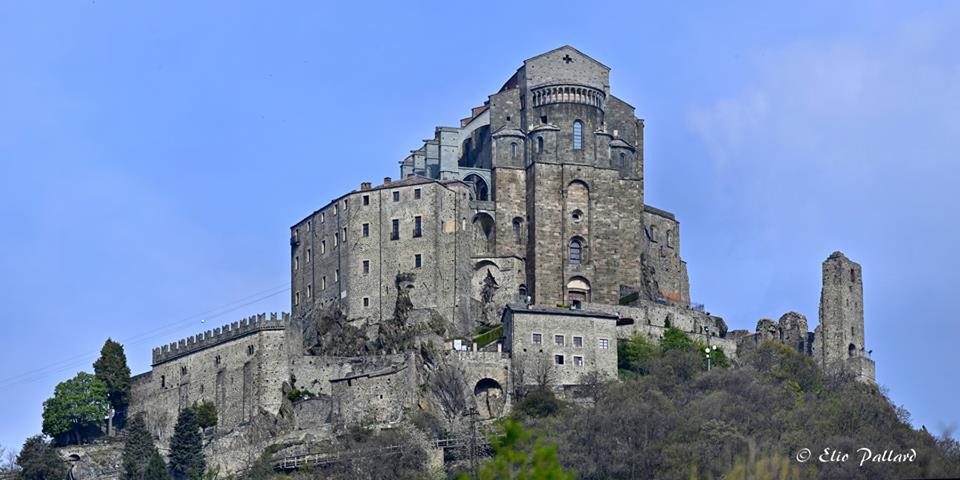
x=489 y=397
x=578 y=291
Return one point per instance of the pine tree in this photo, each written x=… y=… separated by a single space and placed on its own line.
x=111 y=368
x=186 y=447
x=39 y=461
x=140 y=454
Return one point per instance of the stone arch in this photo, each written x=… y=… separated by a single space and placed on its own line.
x=490 y=398
x=480 y=189
x=578 y=290
x=484 y=233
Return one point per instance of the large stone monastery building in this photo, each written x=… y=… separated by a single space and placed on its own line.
x=513 y=248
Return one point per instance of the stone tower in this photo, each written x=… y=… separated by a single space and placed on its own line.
x=839 y=339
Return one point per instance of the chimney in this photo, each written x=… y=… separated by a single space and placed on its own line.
x=387 y=180
x=365 y=186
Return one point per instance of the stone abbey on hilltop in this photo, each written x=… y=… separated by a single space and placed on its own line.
x=514 y=249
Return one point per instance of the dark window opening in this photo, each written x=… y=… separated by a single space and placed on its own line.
x=396 y=196
x=539 y=144
x=543 y=119
x=417 y=226
x=513 y=151
x=417 y=261
x=395 y=231
x=163 y=381
x=250 y=349
x=417 y=193
x=366 y=266
x=576 y=251
x=518 y=231
x=558 y=359
x=366 y=199
x=366 y=229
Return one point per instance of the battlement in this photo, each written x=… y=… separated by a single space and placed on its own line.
x=219 y=336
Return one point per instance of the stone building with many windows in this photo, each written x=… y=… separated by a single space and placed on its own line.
x=514 y=249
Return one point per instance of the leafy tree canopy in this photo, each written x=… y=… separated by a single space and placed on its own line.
x=521 y=454
x=206 y=414
x=77 y=404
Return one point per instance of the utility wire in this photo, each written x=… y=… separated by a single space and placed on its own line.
x=74 y=361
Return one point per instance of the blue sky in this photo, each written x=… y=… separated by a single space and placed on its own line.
x=153 y=156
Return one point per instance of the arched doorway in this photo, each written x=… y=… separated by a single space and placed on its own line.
x=578 y=291
x=490 y=399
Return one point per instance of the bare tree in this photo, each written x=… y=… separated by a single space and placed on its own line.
x=449 y=387
x=543 y=374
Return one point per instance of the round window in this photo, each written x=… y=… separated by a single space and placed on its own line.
x=577 y=216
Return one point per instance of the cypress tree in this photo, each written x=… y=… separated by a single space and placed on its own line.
x=140 y=454
x=186 y=447
x=111 y=368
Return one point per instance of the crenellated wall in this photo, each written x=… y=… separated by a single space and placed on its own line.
x=217 y=336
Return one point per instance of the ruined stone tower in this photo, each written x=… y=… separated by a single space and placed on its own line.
x=839 y=339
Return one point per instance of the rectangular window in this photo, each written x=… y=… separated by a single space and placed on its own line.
x=323 y=217
x=417 y=226
x=323 y=247
x=308 y=225
x=577 y=361
x=366 y=266
x=395 y=231
x=537 y=338
x=336 y=275
x=323 y=283
x=296 y=263
x=366 y=230
x=366 y=301
x=336 y=209
x=309 y=291
x=296 y=298
x=416 y=193
x=558 y=339
x=604 y=343
x=336 y=239
x=344 y=234
x=417 y=261
x=577 y=342
x=309 y=255
x=396 y=196
x=366 y=199
x=345 y=200
x=558 y=359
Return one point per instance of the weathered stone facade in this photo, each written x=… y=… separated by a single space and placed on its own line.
x=529 y=217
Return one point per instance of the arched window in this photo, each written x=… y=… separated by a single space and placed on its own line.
x=518 y=230
x=523 y=293
x=577 y=135
x=576 y=251
x=851 y=350
x=539 y=144
x=513 y=151
x=479 y=187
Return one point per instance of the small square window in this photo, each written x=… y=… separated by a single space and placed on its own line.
x=604 y=343
x=366 y=301
x=577 y=361
x=558 y=359
x=417 y=261
x=366 y=199
x=577 y=342
x=537 y=338
x=558 y=339
x=366 y=266
x=396 y=196
x=366 y=230
x=250 y=350
x=417 y=193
